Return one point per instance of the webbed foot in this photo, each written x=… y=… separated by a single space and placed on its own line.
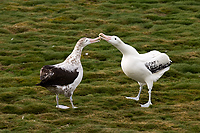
x=146 y=105
x=62 y=107
x=134 y=98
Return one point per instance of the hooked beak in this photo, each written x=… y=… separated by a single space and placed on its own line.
x=105 y=37
x=95 y=40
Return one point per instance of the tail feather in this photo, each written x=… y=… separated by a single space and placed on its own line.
x=158 y=74
x=38 y=84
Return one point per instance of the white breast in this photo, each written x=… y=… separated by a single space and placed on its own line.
x=134 y=68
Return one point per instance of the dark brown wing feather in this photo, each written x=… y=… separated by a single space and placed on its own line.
x=51 y=76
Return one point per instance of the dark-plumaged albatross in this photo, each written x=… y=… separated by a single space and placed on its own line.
x=144 y=68
x=63 y=78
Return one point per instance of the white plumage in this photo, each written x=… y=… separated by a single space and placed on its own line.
x=63 y=78
x=144 y=68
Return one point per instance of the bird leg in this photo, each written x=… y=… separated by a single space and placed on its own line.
x=149 y=102
x=71 y=100
x=60 y=106
x=57 y=99
x=138 y=96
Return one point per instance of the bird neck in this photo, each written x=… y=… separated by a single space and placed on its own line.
x=77 y=51
x=127 y=49
x=75 y=56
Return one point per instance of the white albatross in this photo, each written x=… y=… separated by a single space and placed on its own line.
x=63 y=78
x=144 y=68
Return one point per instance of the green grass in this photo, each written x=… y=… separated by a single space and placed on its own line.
x=38 y=32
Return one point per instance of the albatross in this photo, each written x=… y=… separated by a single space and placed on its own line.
x=63 y=78
x=143 y=68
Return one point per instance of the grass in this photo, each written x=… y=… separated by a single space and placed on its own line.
x=36 y=33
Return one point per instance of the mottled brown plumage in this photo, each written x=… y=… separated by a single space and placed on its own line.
x=63 y=78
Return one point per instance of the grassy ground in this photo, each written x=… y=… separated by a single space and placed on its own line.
x=34 y=33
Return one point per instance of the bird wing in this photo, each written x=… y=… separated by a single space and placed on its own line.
x=158 y=62
x=46 y=72
x=51 y=75
x=150 y=55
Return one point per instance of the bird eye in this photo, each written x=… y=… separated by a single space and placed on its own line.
x=115 y=38
x=86 y=40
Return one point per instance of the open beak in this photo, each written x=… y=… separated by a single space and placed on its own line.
x=95 y=40
x=105 y=37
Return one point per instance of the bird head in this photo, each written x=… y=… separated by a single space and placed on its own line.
x=86 y=41
x=114 y=40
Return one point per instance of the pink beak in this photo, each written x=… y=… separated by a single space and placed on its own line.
x=95 y=40
x=105 y=37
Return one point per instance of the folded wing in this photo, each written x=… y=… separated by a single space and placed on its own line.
x=51 y=75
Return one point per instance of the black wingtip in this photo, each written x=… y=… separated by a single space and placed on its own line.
x=38 y=84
